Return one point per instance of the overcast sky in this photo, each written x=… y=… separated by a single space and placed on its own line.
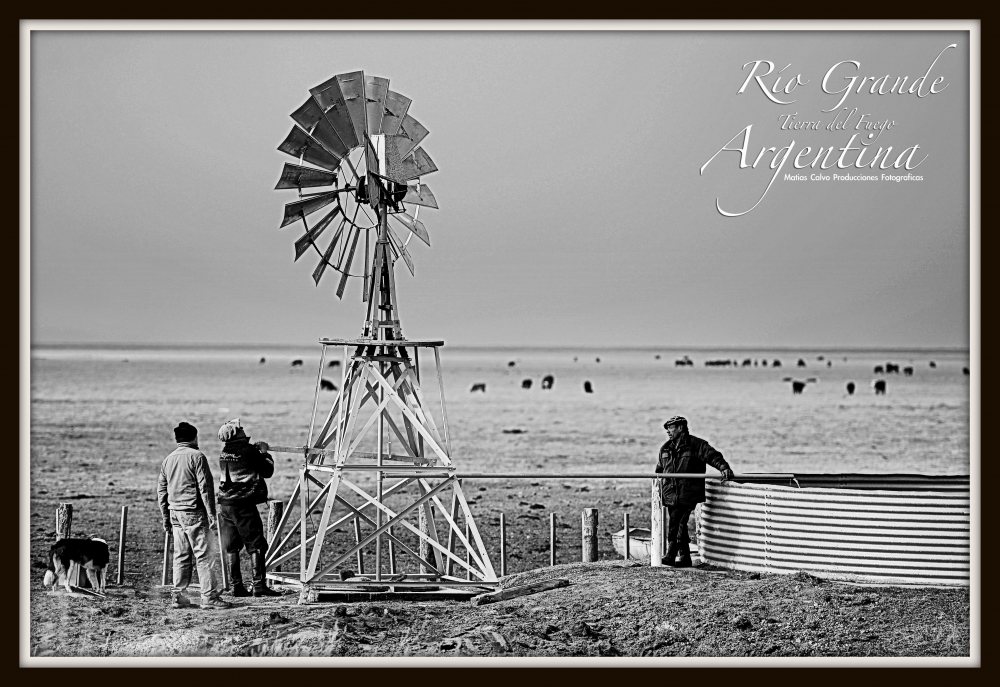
x=572 y=210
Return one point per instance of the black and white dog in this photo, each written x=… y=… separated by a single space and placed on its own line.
x=67 y=555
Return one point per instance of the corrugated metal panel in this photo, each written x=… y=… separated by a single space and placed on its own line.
x=885 y=532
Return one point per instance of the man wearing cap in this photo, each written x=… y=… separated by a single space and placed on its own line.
x=243 y=467
x=684 y=453
x=187 y=504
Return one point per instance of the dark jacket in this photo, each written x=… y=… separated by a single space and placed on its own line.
x=185 y=482
x=243 y=468
x=690 y=455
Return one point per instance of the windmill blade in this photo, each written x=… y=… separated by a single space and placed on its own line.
x=376 y=89
x=415 y=226
x=310 y=117
x=401 y=249
x=417 y=165
x=307 y=239
x=420 y=195
x=352 y=87
x=299 y=144
x=372 y=158
x=396 y=106
x=347 y=266
x=412 y=133
x=321 y=267
x=331 y=102
x=296 y=176
x=300 y=208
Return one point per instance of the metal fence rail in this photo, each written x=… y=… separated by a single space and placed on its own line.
x=885 y=532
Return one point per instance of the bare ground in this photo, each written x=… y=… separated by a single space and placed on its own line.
x=610 y=609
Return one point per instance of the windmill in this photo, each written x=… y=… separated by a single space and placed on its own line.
x=365 y=163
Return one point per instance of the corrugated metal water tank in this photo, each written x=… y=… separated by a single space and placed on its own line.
x=894 y=529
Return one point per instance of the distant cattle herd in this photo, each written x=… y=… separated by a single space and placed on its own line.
x=798 y=386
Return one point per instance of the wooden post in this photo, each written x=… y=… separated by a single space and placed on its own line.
x=626 y=536
x=552 y=538
x=503 y=545
x=357 y=539
x=168 y=546
x=275 y=509
x=468 y=553
x=64 y=521
x=588 y=535
x=224 y=569
x=392 y=553
x=656 y=526
x=121 y=546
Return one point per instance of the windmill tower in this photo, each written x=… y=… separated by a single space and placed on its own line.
x=377 y=469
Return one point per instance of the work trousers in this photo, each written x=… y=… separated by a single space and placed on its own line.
x=241 y=526
x=195 y=545
x=677 y=529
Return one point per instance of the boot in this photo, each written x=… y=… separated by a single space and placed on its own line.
x=684 y=561
x=235 y=576
x=671 y=554
x=260 y=587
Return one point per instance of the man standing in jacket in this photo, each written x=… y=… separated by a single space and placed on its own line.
x=187 y=504
x=243 y=467
x=684 y=453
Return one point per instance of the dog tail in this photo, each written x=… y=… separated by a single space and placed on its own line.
x=98 y=539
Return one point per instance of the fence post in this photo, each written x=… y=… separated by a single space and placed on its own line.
x=468 y=553
x=275 y=509
x=589 y=535
x=626 y=537
x=64 y=521
x=503 y=545
x=552 y=538
x=357 y=539
x=121 y=546
x=656 y=526
x=168 y=545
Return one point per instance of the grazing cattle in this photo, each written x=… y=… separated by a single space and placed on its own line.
x=776 y=363
x=811 y=380
x=965 y=370
x=478 y=386
x=525 y=383
x=908 y=371
x=326 y=385
x=574 y=358
x=597 y=360
x=819 y=357
x=334 y=363
x=891 y=367
x=510 y=364
x=763 y=362
x=879 y=386
x=879 y=370
x=786 y=379
x=829 y=363
x=263 y=360
x=548 y=381
x=747 y=362
x=684 y=362
x=798 y=386
x=296 y=363
x=587 y=388
x=801 y=363
x=656 y=357
x=933 y=364
x=755 y=363
x=850 y=388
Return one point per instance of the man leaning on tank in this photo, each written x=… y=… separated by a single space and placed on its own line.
x=684 y=452
x=243 y=467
